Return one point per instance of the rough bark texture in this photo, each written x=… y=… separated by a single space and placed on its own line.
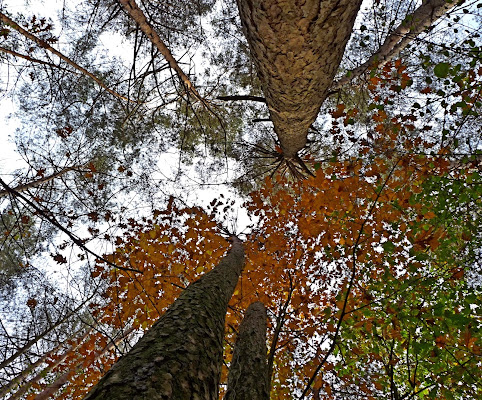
x=297 y=46
x=248 y=373
x=180 y=357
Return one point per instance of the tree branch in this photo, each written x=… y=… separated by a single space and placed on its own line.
x=32 y=59
x=241 y=98
x=38 y=182
x=42 y=43
x=138 y=16
x=47 y=216
x=413 y=25
x=349 y=287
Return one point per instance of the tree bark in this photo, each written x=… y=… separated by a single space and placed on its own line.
x=248 y=373
x=297 y=47
x=180 y=357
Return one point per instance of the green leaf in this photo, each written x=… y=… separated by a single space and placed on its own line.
x=388 y=247
x=441 y=70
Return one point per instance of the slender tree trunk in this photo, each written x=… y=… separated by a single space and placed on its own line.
x=40 y=336
x=248 y=373
x=19 y=380
x=180 y=357
x=297 y=46
x=51 y=389
x=131 y=7
x=416 y=23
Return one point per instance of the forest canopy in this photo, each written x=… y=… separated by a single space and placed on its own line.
x=285 y=194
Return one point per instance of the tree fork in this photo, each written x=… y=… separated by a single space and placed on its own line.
x=248 y=373
x=180 y=357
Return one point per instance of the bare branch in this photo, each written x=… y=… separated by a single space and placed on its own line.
x=38 y=182
x=242 y=97
x=47 y=215
x=32 y=59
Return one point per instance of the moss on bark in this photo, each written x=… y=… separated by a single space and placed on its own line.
x=180 y=357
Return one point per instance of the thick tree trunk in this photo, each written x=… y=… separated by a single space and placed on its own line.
x=248 y=373
x=297 y=46
x=180 y=357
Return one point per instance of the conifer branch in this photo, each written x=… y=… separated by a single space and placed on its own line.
x=45 y=214
x=139 y=17
x=42 y=43
x=32 y=59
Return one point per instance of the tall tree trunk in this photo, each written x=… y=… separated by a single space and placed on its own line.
x=180 y=357
x=297 y=46
x=248 y=373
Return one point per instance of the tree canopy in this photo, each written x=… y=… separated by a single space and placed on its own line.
x=348 y=132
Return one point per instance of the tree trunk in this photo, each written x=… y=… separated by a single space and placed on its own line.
x=180 y=357
x=248 y=373
x=297 y=46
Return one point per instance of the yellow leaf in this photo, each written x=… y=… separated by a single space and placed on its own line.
x=177 y=269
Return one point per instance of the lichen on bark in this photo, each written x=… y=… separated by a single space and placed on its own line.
x=180 y=357
x=297 y=46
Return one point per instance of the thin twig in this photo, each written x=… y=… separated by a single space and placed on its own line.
x=50 y=218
